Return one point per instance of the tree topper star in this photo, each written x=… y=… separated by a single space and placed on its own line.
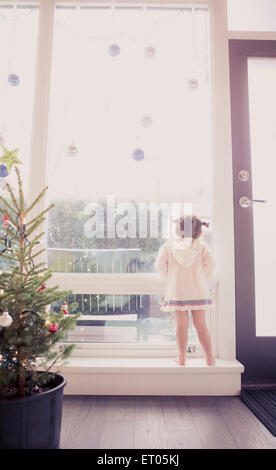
x=9 y=157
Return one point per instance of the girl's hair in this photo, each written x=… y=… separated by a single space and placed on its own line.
x=188 y=225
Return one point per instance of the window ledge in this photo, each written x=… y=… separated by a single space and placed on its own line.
x=151 y=376
x=150 y=365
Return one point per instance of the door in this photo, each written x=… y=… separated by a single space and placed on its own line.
x=253 y=114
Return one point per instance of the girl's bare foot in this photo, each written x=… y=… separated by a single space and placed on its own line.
x=180 y=360
x=210 y=361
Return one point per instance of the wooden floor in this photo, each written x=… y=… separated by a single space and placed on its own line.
x=140 y=422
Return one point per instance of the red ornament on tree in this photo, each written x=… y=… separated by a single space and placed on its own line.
x=64 y=308
x=53 y=328
x=5 y=220
x=43 y=287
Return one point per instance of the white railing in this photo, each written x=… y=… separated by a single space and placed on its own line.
x=103 y=260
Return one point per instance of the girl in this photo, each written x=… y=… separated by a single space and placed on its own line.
x=186 y=263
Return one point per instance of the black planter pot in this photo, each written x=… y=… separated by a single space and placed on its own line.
x=33 y=422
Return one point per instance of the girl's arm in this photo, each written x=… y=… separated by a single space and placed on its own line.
x=208 y=262
x=162 y=262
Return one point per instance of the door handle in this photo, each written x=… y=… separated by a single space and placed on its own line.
x=245 y=202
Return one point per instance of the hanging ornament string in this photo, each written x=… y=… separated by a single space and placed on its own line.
x=144 y=120
x=194 y=38
x=114 y=51
x=13 y=78
x=114 y=48
x=193 y=82
x=12 y=37
x=72 y=149
x=206 y=44
x=149 y=53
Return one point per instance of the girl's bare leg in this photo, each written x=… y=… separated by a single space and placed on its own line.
x=182 y=325
x=203 y=335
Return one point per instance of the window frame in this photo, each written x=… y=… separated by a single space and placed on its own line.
x=223 y=194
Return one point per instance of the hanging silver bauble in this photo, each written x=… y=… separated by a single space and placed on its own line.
x=5 y=320
x=72 y=150
x=149 y=52
x=13 y=79
x=114 y=50
x=146 y=121
x=192 y=84
x=138 y=155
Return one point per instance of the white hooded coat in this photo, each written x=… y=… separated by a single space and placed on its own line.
x=186 y=265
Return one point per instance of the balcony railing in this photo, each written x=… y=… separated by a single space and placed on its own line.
x=117 y=260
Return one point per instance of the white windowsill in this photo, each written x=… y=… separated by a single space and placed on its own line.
x=152 y=365
x=150 y=376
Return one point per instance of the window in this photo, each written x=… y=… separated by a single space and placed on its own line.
x=18 y=39
x=18 y=32
x=251 y=15
x=129 y=144
x=263 y=146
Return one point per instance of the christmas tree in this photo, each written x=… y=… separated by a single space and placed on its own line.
x=29 y=329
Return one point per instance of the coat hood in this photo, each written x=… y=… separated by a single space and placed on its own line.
x=184 y=251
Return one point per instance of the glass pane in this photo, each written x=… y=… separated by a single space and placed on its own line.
x=18 y=34
x=130 y=129
x=123 y=319
x=262 y=99
x=251 y=15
